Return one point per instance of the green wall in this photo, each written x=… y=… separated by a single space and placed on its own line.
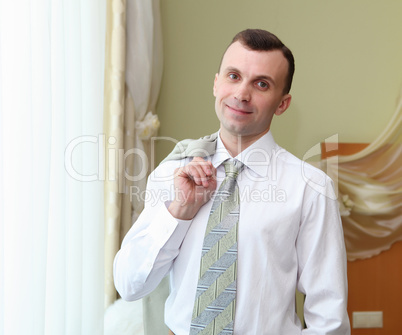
x=348 y=66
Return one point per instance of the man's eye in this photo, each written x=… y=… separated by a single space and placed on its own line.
x=262 y=84
x=233 y=76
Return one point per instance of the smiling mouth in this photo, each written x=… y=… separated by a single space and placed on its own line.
x=238 y=110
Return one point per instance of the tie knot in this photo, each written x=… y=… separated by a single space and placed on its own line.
x=233 y=168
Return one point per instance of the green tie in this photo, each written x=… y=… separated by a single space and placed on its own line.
x=214 y=307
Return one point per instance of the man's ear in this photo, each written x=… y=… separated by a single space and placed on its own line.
x=283 y=106
x=216 y=78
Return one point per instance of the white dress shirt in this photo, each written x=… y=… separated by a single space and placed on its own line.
x=290 y=236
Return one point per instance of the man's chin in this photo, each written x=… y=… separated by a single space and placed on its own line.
x=242 y=132
x=235 y=130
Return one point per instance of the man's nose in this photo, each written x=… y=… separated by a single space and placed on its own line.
x=242 y=93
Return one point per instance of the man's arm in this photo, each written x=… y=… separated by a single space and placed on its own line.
x=322 y=267
x=150 y=247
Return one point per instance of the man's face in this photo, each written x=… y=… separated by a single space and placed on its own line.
x=249 y=91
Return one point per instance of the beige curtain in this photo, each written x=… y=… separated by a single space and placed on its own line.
x=114 y=103
x=133 y=70
x=370 y=192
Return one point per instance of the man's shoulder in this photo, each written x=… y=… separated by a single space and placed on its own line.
x=167 y=167
x=308 y=171
x=313 y=180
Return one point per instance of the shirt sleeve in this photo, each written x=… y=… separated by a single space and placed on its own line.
x=322 y=266
x=148 y=250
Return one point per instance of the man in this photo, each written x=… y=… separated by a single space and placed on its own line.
x=288 y=228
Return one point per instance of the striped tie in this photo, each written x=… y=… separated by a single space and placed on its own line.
x=214 y=307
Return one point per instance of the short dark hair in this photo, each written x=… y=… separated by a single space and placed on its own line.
x=262 y=40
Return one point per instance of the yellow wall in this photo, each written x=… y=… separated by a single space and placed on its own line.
x=348 y=65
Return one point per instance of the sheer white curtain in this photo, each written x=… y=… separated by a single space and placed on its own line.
x=51 y=192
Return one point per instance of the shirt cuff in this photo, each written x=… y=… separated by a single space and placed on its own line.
x=170 y=230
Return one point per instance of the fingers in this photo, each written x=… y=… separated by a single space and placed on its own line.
x=200 y=171
x=205 y=168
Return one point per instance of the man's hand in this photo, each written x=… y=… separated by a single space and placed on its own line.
x=194 y=185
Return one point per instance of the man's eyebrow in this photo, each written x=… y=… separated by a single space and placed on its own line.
x=231 y=69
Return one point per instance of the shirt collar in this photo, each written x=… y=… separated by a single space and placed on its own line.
x=256 y=157
x=221 y=153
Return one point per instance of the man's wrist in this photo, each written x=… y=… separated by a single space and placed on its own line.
x=181 y=211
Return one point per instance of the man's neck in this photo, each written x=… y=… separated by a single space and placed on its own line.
x=235 y=143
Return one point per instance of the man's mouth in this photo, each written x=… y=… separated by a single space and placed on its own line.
x=238 y=110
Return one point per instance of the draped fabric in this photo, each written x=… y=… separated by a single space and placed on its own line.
x=114 y=101
x=51 y=200
x=370 y=192
x=133 y=74
x=143 y=78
